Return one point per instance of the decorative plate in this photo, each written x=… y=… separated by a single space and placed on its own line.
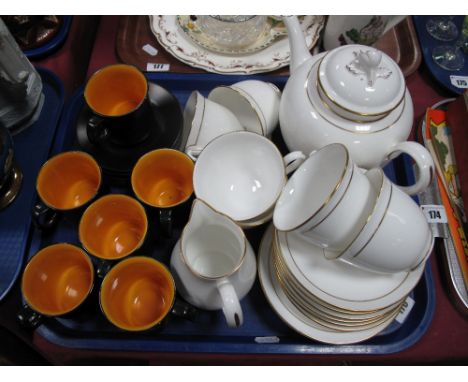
x=171 y=35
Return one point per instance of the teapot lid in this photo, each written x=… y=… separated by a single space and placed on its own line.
x=361 y=80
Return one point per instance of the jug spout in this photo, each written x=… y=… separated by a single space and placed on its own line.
x=297 y=43
x=207 y=224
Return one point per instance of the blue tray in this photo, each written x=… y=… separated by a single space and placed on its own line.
x=428 y=42
x=31 y=149
x=209 y=333
x=53 y=43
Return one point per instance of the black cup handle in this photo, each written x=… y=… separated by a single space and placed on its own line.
x=165 y=218
x=95 y=129
x=29 y=318
x=102 y=268
x=184 y=310
x=44 y=218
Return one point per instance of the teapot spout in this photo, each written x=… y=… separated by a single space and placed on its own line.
x=299 y=51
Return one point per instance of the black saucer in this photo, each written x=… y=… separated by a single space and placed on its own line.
x=117 y=160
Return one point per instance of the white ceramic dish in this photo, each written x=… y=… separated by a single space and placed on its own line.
x=341 y=284
x=241 y=174
x=171 y=36
x=291 y=316
x=315 y=310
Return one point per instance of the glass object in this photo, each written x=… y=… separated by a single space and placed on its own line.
x=451 y=57
x=442 y=28
x=232 y=31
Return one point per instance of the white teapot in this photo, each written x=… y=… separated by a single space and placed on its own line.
x=354 y=95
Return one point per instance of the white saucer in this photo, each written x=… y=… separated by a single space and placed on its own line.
x=291 y=316
x=341 y=284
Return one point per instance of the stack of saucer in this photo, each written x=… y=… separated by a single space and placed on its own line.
x=328 y=301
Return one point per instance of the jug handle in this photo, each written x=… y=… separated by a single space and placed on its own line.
x=424 y=165
x=293 y=160
x=231 y=306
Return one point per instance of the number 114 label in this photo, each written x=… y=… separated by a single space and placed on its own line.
x=434 y=213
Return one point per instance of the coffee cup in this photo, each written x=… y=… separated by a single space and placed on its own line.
x=138 y=293
x=118 y=98
x=66 y=184
x=327 y=199
x=241 y=174
x=396 y=236
x=56 y=282
x=162 y=180
x=113 y=227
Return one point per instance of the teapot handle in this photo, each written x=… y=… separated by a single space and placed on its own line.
x=424 y=165
x=231 y=306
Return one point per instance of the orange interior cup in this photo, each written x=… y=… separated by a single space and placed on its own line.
x=116 y=90
x=113 y=227
x=163 y=178
x=68 y=180
x=57 y=279
x=137 y=293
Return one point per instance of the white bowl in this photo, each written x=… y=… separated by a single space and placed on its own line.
x=240 y=174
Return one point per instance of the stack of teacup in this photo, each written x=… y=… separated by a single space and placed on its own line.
x=348 y=245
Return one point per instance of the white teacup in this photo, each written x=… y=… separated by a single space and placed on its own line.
x=327 y=199
x=396 y=236
x=242 y=174
x=205 y=120
x=255 y=103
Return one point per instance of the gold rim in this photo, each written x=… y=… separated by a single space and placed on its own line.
x=184 y=259
x=143 y=237
x=90 y=289
x=187 y=145
x=66 y=153
x=347 y=300
x=270 y=144
x=367 y=220
x=254 y=107
x=330 y=196
x=120 y=265
x=286 y=308
x=105 y=68
x=378 y=226
x=340 y=127
x=321 y=302
x=337 y=203
x=349 y=110
x=340 y=326
x=138 y=196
